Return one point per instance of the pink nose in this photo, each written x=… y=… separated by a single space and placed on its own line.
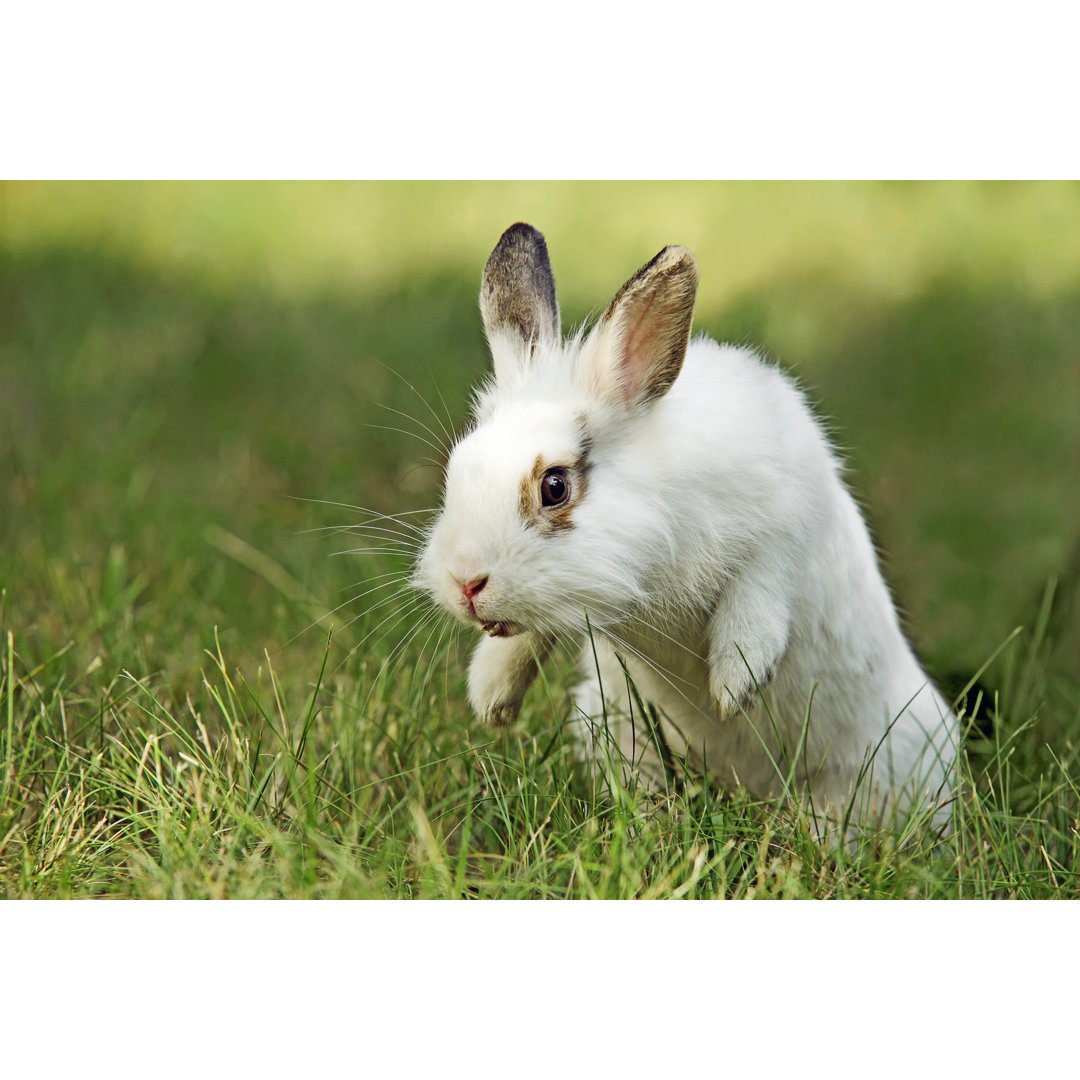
x=471 y=588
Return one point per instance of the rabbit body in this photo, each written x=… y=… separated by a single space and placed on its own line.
x=675 y=506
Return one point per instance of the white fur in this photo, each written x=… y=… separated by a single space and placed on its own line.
x=715 y=549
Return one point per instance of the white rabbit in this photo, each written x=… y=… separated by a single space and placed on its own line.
x=674 y=506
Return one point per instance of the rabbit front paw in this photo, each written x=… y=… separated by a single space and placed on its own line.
x=735 y=683
x=748 y=635
x=500 y=674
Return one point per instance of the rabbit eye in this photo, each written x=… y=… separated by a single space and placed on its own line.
x=554 y=487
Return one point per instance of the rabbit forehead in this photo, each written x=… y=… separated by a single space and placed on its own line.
x=506 y=447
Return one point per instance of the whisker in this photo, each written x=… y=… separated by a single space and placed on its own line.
x=381 y=532
x=399 y=581
x=389 y=549
x=392 y=519
x=641 y=621
x=437 y=447
x=445 y=447
x=333 y=611
x=350 y=530
x=401 y=575
x=410 y=602
x=363 y=509
x=655 y=667
x=399 y=649
x=401 y=613
x=610 y=613
x=416 y=420
x=567 y=611
x=437 y=625
x=360 y=526
x=449 y=436
x=427 y=404
x=426 y=463
x=431 y=616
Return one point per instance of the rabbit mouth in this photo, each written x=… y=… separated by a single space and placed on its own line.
x=500 y=629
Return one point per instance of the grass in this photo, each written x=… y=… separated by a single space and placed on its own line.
x=183 y=366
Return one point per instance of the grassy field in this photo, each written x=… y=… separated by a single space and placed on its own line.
x=199 y=697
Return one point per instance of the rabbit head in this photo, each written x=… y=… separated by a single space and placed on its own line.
x=540 y=522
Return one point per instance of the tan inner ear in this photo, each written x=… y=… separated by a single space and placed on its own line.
x=653 y=353
x=647 y=326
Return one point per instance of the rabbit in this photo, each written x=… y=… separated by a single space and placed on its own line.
x=673 y=505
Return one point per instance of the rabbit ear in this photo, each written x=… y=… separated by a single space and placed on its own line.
x=517 y=295
x=641 y=339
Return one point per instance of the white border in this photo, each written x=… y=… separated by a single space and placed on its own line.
x=488 y=89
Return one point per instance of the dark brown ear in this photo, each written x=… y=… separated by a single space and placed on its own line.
x=643 y=334
x=517 y=292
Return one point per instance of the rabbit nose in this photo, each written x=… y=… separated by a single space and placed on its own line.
x=471 y=588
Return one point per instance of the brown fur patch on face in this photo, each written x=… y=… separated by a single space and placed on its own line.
x=553 y=519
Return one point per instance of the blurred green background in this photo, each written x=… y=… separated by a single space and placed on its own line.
x=181 y=363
